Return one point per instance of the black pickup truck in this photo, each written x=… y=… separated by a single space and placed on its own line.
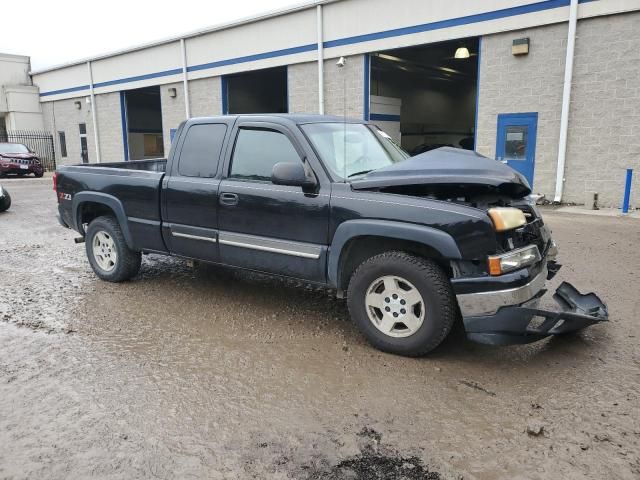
x=414 y=243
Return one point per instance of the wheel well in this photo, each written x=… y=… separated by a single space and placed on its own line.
x=359 y=249
x=88 y=211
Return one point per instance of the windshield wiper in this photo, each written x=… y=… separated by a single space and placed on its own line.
x=360 y=173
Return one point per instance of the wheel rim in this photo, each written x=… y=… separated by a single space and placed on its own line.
x=104 y=251
x=395 y=306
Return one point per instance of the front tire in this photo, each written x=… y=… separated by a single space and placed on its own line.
x=110 y=257
x=402 y=303
x=38 y=175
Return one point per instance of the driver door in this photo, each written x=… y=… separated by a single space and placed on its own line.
x=271 y=228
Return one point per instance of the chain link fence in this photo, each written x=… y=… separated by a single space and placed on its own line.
x=39 y=142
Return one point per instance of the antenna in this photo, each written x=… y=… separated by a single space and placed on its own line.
x=341 y=63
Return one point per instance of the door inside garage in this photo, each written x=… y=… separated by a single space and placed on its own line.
x=425 y=96
x=260 y=91
x=143 y=123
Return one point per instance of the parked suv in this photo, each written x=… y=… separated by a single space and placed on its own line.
x=16 y=158
x=413 y=243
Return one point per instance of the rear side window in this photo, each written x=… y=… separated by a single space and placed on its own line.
x=257 y=151
x=201 y=150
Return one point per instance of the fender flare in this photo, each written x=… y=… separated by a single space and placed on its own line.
x=440 y=241
x=105 y=199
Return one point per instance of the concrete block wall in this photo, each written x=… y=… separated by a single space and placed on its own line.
x=335 y=87
x=302 y=80
x=205 y=97
x=531 y=83
x=109 y=120
x=64 y=116
x=604 y=120
x=173 y=112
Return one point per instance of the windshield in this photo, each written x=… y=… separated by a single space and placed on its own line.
x=352 y=149
x=13 y=148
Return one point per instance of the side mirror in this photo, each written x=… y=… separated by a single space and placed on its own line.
x=292 y=174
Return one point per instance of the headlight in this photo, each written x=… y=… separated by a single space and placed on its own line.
x=514 y=260
x=505 y=218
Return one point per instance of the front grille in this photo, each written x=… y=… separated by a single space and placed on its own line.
x=20 y=161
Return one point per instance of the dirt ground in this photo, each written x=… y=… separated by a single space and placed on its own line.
x=203 y=373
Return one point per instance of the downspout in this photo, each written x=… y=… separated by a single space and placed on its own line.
x=566 y=100
x=94 y=117
x=185 y=81
x=320 y=61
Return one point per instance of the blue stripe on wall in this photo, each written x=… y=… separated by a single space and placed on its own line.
x=425 y=27
x=253 y=58
x=65 y=90
x=383 y=117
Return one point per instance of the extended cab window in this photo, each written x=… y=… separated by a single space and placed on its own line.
x=201 y=150
x=257 y=151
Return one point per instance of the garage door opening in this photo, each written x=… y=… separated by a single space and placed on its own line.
x=261 y=91
x=143 y=122
x=425 y=97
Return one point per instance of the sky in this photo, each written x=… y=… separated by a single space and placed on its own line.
x=55 y=32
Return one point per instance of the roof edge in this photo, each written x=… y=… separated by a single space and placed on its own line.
x=195 y=33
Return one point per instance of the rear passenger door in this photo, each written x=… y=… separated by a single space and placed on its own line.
x=190 y=191
x=272 y=228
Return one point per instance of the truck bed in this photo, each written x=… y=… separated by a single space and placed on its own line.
x=154 y=165
x=136 y=187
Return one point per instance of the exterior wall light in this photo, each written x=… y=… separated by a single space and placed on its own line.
x=78 y=104
x=173 y=93
x=462 y=52
x=520 y=46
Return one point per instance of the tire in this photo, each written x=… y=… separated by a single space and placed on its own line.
x=104 y=238
x=5 y=201
x=410 y=278
x=38 y=175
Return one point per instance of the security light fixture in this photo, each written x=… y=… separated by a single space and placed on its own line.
x=341 y=62
x=78 y=104
x=520 y=46
x=173 y=92
x=462 y=52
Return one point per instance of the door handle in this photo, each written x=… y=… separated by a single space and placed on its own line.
x=230 y=199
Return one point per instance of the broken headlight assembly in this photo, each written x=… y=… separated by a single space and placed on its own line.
x=506 y=218
x=513 y=260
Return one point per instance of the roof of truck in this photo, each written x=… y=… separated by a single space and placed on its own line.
x=292 y=117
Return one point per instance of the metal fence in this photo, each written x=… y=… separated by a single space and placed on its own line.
x=40 y=142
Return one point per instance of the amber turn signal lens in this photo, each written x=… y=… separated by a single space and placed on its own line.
x=495 y=267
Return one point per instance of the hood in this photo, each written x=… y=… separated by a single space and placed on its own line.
x=447 y=166
x=22 y=156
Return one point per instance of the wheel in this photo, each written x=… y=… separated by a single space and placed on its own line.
x=402 y=303
x=110 y=257
x=38 y=175
x=5 y=201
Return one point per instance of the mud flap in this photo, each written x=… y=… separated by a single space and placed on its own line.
x=525 y=323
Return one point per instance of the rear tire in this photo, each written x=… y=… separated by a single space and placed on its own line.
x=402 y=303
x=110 y=257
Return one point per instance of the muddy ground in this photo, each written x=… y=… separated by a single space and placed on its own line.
x=192 y=373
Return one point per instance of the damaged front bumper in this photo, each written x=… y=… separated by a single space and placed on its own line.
x=512 y=316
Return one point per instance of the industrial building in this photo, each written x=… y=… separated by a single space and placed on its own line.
x=551 y=87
